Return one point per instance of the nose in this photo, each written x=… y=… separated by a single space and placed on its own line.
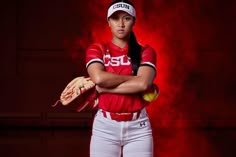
x=121 y=22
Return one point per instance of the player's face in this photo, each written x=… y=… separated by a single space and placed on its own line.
x=121 y=24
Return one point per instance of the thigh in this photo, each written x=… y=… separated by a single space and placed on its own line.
x=105 y=141
x=101 y=147
x=141 y=147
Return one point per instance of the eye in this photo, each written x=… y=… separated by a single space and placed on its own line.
x=114 y=17
x=127 y=18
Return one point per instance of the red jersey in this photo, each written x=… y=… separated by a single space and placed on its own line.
x=116 y=60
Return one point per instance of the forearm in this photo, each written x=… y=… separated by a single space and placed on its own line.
x=134 y=85
x=105 y=79
x=127 y=87
x=111 y=80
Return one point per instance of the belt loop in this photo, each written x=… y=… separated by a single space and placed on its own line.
x=138 y=114
x=135 y=115
x=108 y=115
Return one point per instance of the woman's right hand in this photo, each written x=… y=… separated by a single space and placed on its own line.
x=99 y=89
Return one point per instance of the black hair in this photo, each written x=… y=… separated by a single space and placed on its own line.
x=134 y=52
x=134 y=47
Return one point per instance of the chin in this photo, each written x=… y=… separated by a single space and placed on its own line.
x=122 y=36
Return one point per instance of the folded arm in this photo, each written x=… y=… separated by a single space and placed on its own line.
x=135 y=84
x=106 y=79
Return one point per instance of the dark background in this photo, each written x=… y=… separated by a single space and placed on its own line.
x=42 y=49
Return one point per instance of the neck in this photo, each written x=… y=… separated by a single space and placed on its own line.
x=120 y=42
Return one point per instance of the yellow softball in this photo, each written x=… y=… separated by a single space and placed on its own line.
x=150 y=96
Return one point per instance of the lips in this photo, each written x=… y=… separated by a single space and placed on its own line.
x=121 y=31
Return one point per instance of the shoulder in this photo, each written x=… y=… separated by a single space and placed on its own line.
x=147 y=47
x=96 y=46
x=148 y=50
x=95 y=52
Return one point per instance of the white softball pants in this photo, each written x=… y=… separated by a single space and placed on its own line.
x=111 y=138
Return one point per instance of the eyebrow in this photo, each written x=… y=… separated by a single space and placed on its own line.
x=125 y=15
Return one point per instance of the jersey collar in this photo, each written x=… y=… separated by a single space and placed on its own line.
x=117 y=48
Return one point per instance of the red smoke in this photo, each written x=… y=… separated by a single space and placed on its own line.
x=189 y=54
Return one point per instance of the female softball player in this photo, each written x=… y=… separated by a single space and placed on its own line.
x=121 y=69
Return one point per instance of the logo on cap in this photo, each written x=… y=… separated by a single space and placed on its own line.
x=121 y=6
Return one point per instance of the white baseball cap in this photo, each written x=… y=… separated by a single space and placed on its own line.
x=121 y=6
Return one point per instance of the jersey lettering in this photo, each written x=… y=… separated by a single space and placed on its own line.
x=116 y=61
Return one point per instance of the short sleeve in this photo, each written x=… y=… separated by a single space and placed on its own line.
x=94 y=53
x=148 y=57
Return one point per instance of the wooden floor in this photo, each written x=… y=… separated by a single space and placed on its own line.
x=74 y=142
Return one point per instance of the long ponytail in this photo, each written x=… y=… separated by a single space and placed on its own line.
x=134 y=52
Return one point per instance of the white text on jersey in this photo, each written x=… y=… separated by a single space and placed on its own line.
x=116 y=61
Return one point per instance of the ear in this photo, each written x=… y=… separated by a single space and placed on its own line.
x=108 y=21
